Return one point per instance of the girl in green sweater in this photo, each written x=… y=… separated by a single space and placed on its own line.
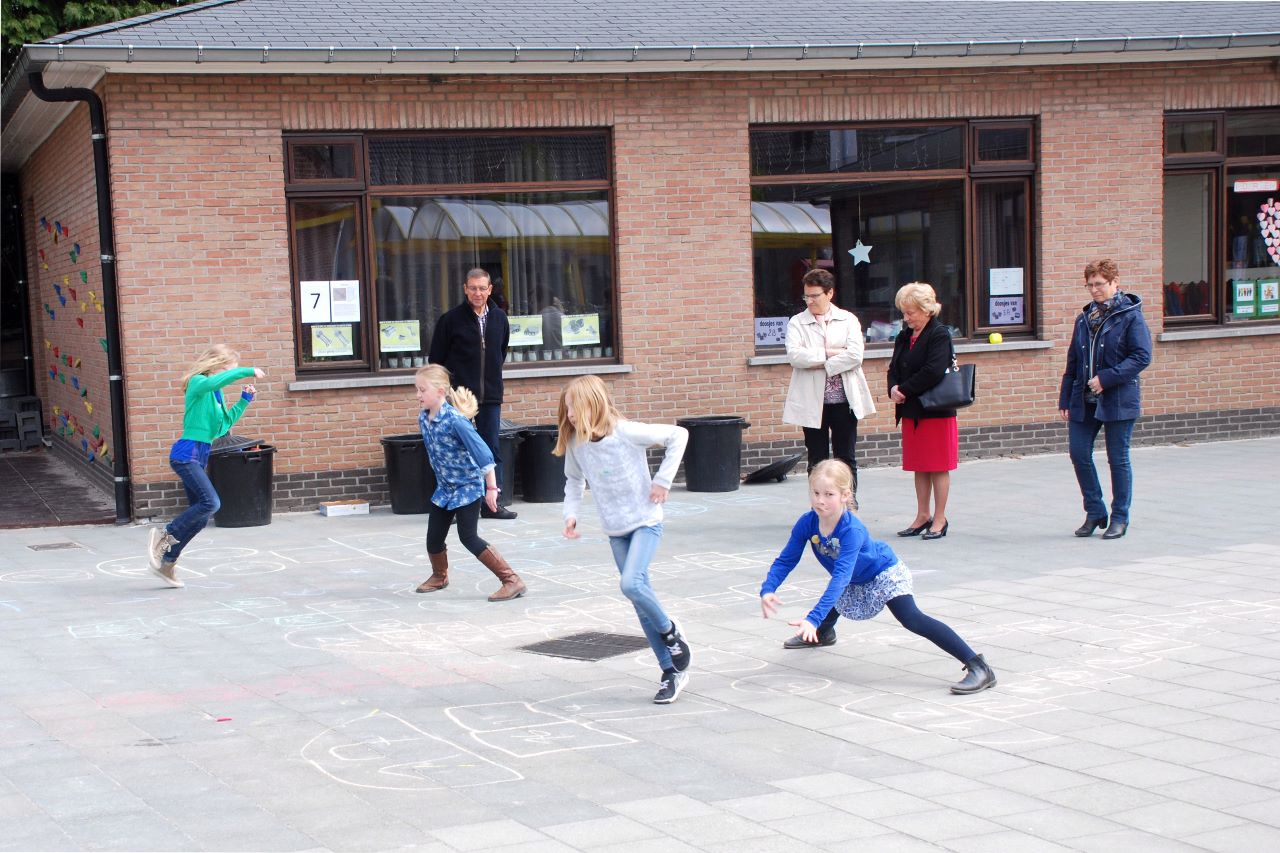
x=206 y=418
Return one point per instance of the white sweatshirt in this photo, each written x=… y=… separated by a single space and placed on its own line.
x=618 y=471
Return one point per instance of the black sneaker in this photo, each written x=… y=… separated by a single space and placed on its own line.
x=669 y=689
x=680 y=654
x=502 y=513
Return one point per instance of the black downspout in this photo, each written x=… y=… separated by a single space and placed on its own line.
x=110 y=303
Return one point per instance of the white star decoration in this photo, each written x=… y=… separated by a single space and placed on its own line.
x=861 y=254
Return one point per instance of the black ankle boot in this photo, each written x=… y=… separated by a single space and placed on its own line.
x=1090 y=525
x=978 y=678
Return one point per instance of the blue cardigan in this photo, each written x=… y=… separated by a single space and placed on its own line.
x=849 y=555
x=1116 y=354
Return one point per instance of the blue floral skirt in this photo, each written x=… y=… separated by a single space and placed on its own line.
x=865 y=600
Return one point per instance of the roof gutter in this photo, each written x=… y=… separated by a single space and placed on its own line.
x=331 y=56
x=110 y=302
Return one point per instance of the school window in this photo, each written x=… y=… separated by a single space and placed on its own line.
x=1221 y=217
x=949 y=203
x=384 y=228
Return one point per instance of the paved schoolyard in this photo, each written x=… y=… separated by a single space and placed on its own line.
x=297 y=695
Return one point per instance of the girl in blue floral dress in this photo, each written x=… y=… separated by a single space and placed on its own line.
x=866 y=577
x=464 y=470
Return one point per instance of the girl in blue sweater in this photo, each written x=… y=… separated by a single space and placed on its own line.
x=206 y=417
x=866 y=577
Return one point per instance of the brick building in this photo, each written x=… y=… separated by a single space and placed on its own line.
x=308 y=182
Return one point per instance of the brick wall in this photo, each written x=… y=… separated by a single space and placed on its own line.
x=203 y=245
x=67 y=321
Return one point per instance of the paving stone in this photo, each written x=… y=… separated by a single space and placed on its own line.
x=297 y=695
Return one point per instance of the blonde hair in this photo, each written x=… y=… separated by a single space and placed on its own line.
x=919 y=294
x=460 y=398
x=837 y=472
x=215 y=359
x=592 y=408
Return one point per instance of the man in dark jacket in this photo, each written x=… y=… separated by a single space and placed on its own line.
x=471 y=342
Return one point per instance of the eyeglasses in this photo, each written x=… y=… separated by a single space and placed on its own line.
x=482 y=288
x=1090 y=285
x=810 y=297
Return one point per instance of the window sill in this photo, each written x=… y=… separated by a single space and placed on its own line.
x=390 y=380
x=886 y=353
x=1212 y=333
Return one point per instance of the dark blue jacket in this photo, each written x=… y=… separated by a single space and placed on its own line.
x=475 y=363
x=1116 y=354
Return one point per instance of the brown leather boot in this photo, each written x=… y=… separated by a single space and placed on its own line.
x=439 y=573
x=512 y=586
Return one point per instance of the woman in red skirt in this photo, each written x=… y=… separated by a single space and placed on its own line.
x=930 y=440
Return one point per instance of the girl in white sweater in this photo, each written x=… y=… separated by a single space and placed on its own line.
x=607 y=452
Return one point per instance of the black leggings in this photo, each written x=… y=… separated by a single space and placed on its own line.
x=904 y=609
x=439 y=519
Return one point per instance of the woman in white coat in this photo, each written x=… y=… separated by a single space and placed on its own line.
x=828 y=393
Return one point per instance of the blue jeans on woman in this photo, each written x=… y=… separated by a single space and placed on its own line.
x=1081 y=437
x=204 y=502
x=633 y=552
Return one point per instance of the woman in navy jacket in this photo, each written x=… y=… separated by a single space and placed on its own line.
x=1109 y=348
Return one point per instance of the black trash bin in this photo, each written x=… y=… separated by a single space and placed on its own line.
x=713 y=458
x=410 y=479
x=541 y=474
x=509 y=437
x=242 y=473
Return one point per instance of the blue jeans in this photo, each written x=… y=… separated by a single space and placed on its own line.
x=488 y=421
x=203 y=500
x=633 y=552
x=1081 y=436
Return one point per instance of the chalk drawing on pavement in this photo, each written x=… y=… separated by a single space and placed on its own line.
x=384 y=751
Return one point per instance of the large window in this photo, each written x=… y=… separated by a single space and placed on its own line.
x=377 y=261
x=1222 y=217
x=880 y=206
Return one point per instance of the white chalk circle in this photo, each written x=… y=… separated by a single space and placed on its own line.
x=244 y=568
x=48 y=576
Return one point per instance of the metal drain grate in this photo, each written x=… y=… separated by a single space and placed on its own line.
x=54 y=546
x=589 y=645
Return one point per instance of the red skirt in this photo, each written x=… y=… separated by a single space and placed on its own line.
x=934 y=445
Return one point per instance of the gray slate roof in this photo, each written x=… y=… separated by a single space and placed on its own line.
x=530 y=23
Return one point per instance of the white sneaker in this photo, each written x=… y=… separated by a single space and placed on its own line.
x=168 y=572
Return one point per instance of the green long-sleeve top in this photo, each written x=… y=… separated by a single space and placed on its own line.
x=207 y=416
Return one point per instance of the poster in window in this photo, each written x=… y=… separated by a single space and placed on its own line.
x=328 y=341
x=771 y=331
x=526 y=331
x=579 y=329
x=1005 y=311
x=1006 y=281
x=314 y=299
x=1269 y=297
x=344 y=300
x=1244 y=298
x=399 y=336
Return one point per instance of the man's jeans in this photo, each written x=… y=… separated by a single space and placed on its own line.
x=204 y=503
x=1082 y=436
x=633 y=553
x=488 y=421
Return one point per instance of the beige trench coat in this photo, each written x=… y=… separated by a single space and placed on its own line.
x=810 y=366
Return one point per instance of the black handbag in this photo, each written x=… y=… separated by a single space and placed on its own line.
x=957 y=389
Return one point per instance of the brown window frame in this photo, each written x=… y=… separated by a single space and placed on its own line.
x=324 y=184
x=361 y=192
x=1218 y=165
x=971 y=175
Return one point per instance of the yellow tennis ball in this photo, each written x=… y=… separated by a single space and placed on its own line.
x=995 y=338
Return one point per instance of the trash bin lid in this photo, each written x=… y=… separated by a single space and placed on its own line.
x=774 y=470
x=712 y=420
x=230 y=443
x=407 y=438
